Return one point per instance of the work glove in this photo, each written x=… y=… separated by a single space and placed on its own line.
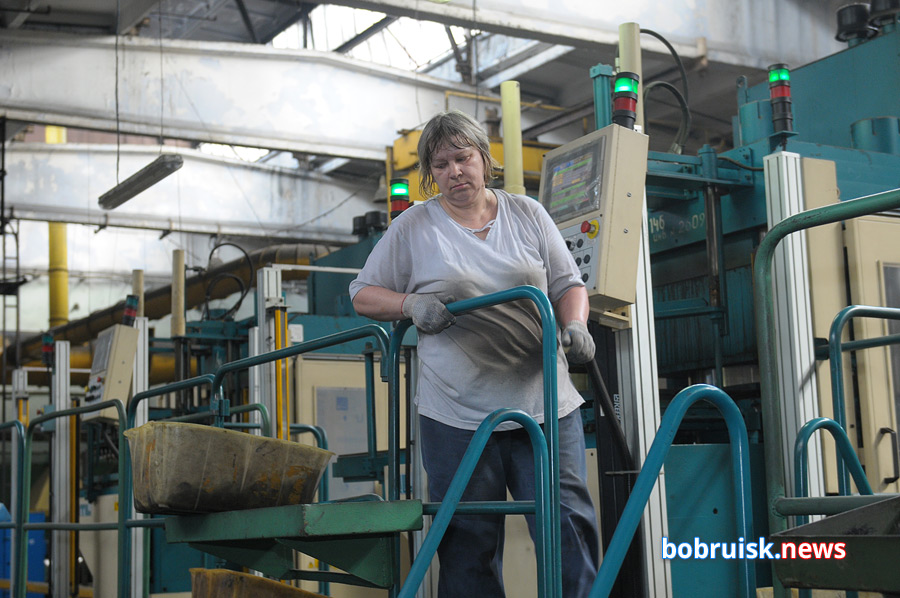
x=577 y=341
x=428 y=312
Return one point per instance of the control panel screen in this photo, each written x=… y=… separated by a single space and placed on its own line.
x=572 y=179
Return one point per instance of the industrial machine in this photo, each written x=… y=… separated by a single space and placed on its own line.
x=799 y=142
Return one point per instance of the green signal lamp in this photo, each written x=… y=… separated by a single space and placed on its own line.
x=399 y=196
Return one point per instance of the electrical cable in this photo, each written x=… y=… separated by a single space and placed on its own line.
x=740 y=164
x=684 y=129
x=677 y=58
x=681 y=136
x=245 y=288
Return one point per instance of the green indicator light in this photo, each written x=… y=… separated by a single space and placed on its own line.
x=399 y=188
x=779 y=75
x=625 y=84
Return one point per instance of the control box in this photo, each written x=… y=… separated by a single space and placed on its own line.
x=593 y=188
x=111 y=369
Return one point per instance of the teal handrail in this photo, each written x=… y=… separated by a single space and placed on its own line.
x=321 y=437
x=124 y=496
x=551 y=423
x=764 y=311
x=458 y=485
x=365 y=331
x=640 y=494
x=19 y=515
x=264 y=421
x=265 y=425
x=161 y=390
x=845 y=454
x=835 y=349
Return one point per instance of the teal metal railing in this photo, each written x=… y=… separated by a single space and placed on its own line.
x=549 y=571
x=846 y=455
x=835 y=348
x=124 y=499
x=449 y=506
x=640 y=494
x=17 y=429
x=764 y=311
x=321 y=437
x=165 y=389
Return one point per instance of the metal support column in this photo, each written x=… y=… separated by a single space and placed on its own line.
x=139 y=383
x=793 y=331
x=268 y=297
x=61 y=475
x=636 y=358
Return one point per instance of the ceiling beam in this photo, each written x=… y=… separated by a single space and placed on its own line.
x=802 y=33
x=291 y=100
x=364 y=35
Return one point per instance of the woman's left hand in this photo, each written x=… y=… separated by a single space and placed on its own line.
x=577 y=342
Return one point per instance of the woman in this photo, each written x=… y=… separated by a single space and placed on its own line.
x=466 y=242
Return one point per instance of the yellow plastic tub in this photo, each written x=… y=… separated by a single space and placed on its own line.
x=222 y=583
x=189 y=468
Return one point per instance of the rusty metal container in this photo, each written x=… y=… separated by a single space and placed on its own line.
x=189 y=468
x=223 y=583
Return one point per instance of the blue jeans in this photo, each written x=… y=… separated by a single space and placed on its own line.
x=471 y=552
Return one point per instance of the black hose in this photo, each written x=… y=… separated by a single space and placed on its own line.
x=684 y=128
x=607 y=405
x=244 y=288
x=675 y=55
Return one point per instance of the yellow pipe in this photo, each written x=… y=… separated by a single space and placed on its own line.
x=22 y=409
x=513 y=176
x=630 y=61
x=59 y=274
x=279 y=386
x=59 y=261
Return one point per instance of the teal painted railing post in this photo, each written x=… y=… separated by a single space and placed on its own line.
x=836 y=365
x=846 y=455
x=764 y=311
x=646 y=480
x=20 y=514
x=551 y=424
x=124 y=532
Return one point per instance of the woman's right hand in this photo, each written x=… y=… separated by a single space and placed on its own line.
x=428 y=311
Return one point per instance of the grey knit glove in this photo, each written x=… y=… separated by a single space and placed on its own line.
x=577 y=342
x=428 y=312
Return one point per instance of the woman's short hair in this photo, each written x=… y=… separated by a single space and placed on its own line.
x=456 y=129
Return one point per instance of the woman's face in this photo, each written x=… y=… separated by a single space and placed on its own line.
x=459 y=173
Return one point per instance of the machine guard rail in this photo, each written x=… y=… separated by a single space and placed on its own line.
x=640 y=494
x=18 y=514
x=764 y=312
x=448 y=507
x=835 y=348
x=846 y=455
x=553 y=581
x=124 y=498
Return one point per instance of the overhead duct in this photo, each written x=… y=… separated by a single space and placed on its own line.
x=158 y=302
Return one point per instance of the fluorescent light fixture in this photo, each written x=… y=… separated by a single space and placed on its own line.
x=142 y=180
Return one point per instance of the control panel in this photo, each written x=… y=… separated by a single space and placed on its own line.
x=111 y=369
x=593 y=188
